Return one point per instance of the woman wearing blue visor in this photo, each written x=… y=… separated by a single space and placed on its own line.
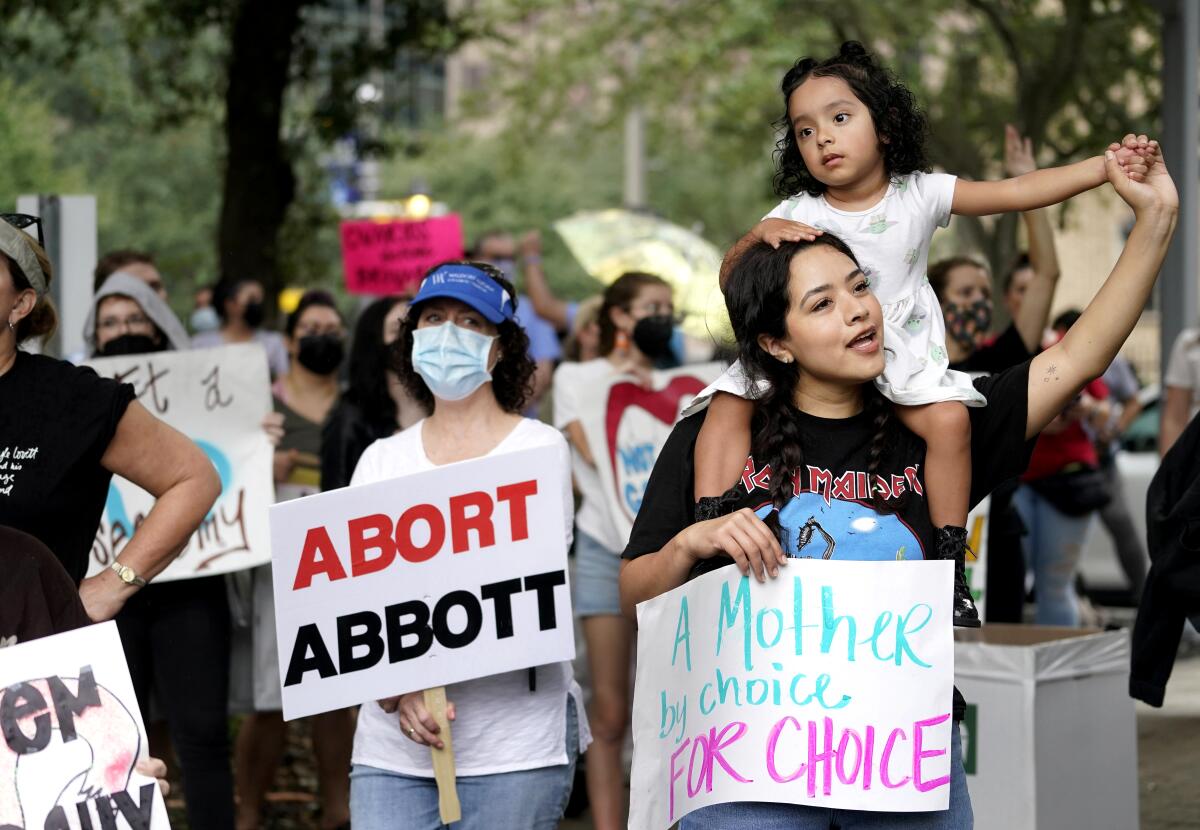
x=463 y=357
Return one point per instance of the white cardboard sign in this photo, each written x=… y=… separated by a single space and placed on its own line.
x=71 y=735
x=217 y=397
x=830 y=686
x=627 y=424
x=434 y=578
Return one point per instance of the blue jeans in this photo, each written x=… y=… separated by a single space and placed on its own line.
x=526 y=800
x=1053 y=547
x=768 y=816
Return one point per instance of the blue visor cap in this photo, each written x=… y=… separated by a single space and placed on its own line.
x=471 y=286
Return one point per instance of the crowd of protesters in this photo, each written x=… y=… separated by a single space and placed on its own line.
x=369 y=396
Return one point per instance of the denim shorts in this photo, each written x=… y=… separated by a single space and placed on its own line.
x=767 y=816
x=532 y=799
x=595 y=591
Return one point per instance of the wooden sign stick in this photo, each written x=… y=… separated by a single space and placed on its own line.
x=443 y=759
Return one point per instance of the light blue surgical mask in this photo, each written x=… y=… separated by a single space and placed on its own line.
x=452 y=361
x=204 y=319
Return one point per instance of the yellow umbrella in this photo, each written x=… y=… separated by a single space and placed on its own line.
x=607 y=243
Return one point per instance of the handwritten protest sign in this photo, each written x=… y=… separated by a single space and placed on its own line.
x=218 y=398
x=627 y=424
x=391 y=257
x=829 y=686
x=72 y=735
x=441 y=576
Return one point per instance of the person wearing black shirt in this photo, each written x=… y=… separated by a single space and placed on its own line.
x=64 y=432
x=807 y=323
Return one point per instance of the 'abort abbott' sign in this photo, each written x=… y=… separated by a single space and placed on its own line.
x=434 y=578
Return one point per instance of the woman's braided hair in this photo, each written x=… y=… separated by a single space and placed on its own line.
x=758 y=298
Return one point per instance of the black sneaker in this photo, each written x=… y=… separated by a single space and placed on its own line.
x=952 y=544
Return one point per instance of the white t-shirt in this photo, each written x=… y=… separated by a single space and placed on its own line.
x=890 y=240
x=570 y=382
x=1183 y=369
x=501 y=726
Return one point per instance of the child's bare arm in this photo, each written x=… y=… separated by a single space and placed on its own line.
x=723 y=444
x=1051 y=186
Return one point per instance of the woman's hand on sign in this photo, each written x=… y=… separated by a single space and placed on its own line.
x=416 y=722
x=155 y=768
x=272 y=424
x=741 y=535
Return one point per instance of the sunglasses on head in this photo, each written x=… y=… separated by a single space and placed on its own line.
x=21 y=221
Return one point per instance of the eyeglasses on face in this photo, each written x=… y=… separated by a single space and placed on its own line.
x=21 y=221
x=134 y=322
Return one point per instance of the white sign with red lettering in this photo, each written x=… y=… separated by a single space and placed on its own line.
x=829 y=686
x=438 y=577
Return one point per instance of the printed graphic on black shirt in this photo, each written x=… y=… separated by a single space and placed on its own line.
x=832 y=517
x=12 y=461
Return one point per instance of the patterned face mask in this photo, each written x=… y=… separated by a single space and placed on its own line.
x=966 y=324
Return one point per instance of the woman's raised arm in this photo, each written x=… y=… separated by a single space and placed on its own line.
x=1087 y=349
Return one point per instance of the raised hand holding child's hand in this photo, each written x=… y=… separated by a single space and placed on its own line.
x=1153 y=190
x=1136 y=154
x=775 y=231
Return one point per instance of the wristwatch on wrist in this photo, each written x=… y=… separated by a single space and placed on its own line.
x=128 y=575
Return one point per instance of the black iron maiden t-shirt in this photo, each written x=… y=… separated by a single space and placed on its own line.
x=830 y=514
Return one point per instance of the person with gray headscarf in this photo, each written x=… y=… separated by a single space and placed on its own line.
x=65 y=431
x=128 y=317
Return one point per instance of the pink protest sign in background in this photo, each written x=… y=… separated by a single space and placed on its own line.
x=391 y=257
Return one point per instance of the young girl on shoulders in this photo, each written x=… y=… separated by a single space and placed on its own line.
x=852 y=162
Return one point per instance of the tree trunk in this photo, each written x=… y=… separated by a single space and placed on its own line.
x=259 y=183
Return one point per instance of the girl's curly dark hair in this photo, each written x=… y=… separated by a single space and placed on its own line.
x=758 y=298
x=512 y=378
x=893 y=108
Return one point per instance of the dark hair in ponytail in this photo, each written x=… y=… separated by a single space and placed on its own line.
x=894 y=109
x=758 y=298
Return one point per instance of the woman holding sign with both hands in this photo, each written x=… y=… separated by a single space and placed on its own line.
x=516 y=735
x=806 y=320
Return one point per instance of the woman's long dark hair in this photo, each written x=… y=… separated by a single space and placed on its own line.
x=893 y=109
x=758 y=298
x=369 y=362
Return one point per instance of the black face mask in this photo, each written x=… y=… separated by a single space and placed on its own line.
x=652 y=335
x=253 y=314
x=321 y=354
x=130 y=344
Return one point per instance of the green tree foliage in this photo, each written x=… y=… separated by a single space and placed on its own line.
x=1072 y=74
x=192 y=117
